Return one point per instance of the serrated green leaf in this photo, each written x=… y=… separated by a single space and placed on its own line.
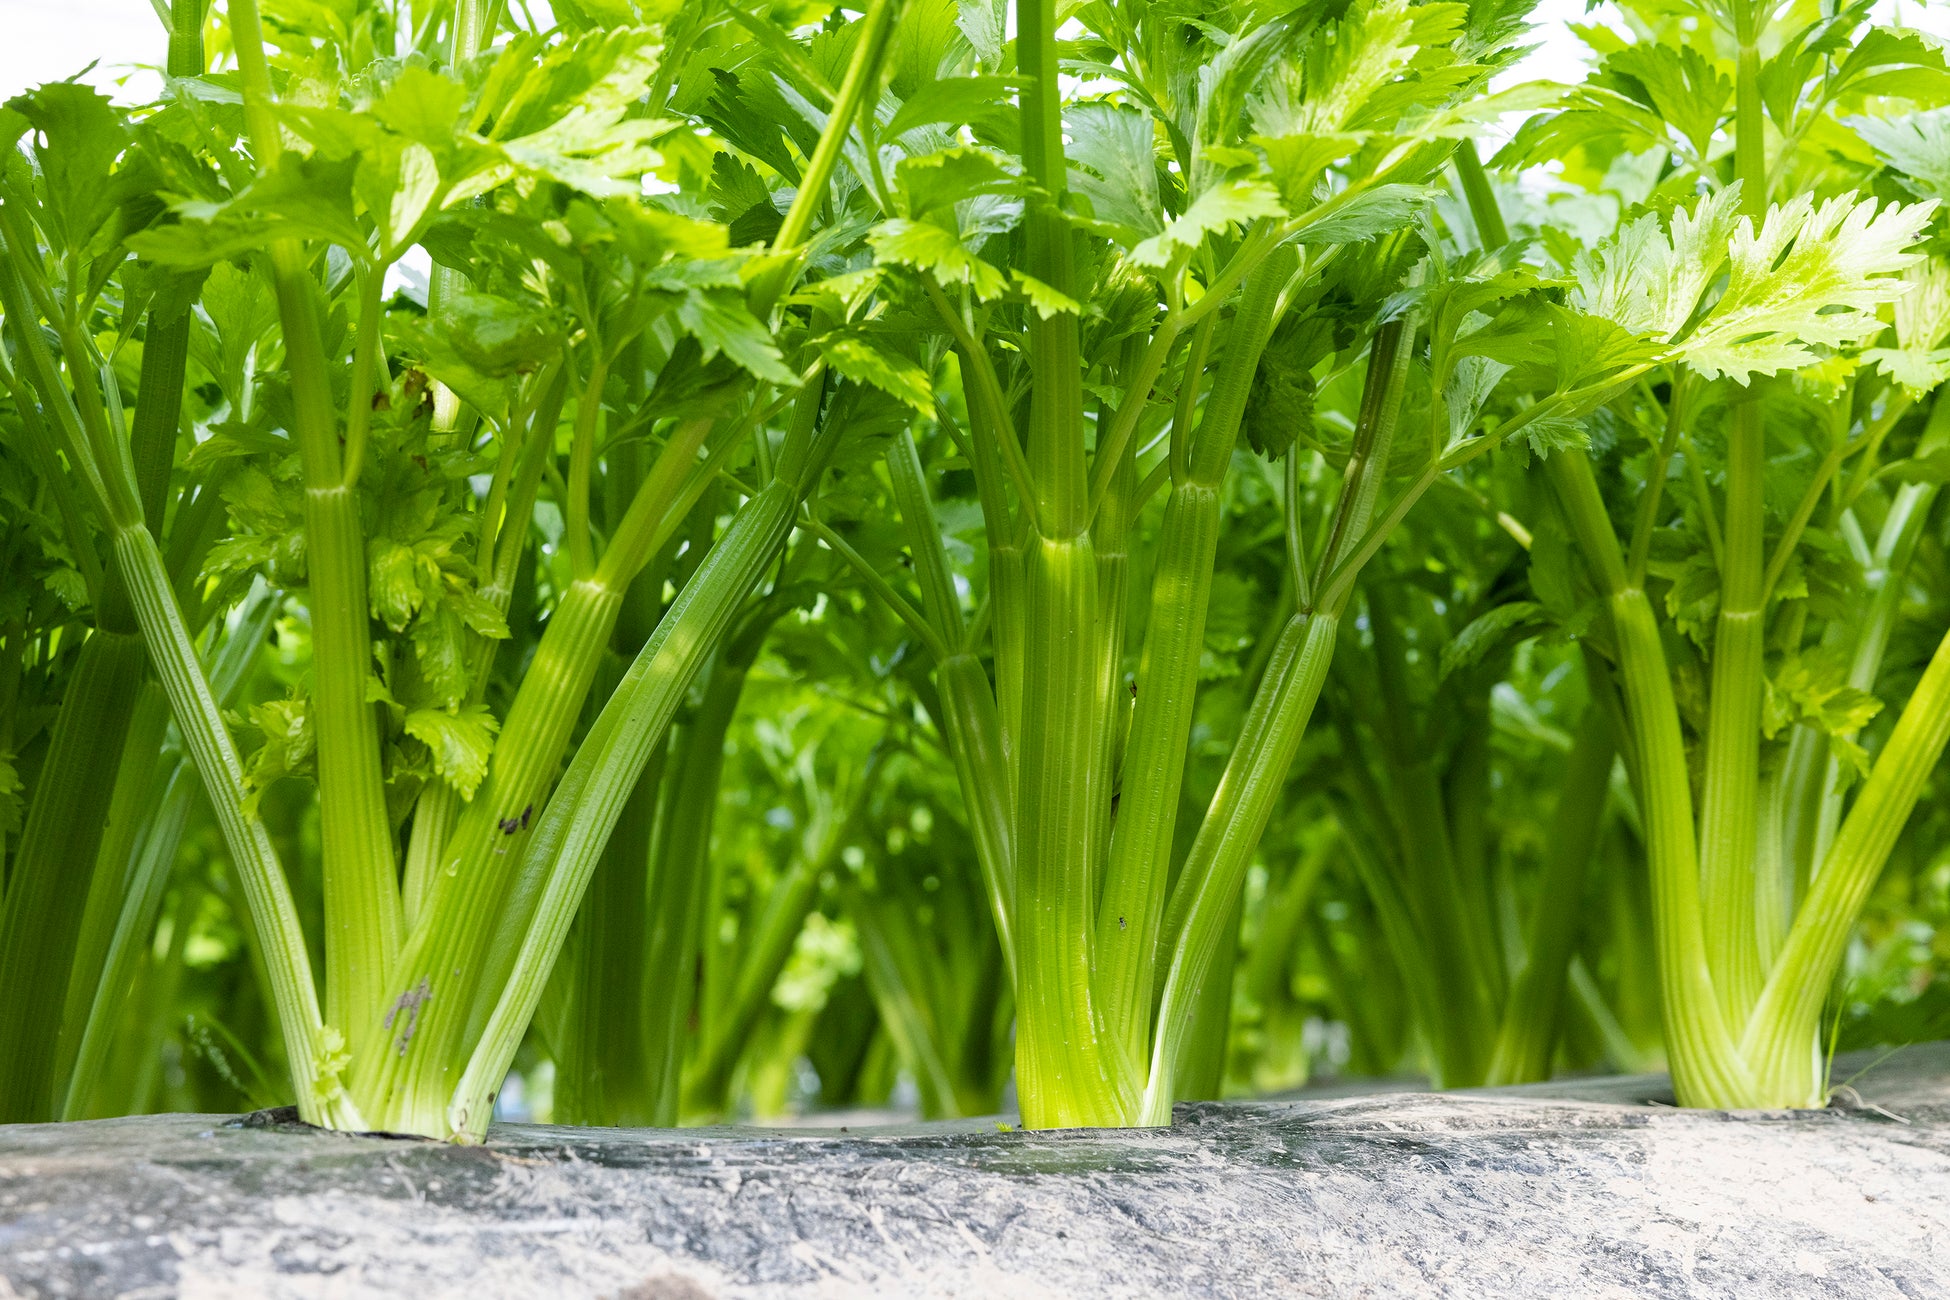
x=460 y=740
x=1688 y=92
x=1225 y=205
x=952 y=101
x=924 y=246
x=1043 y=299
x=1500 y=625
x=1916 y=145
x=938 y=181
x=860 y=360
x=1114 y=168
x=393 y=583
x=1364 y=215
x=720 y=322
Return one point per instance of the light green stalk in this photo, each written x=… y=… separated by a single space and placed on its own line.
x=1779 y=1034
x=1066 y=1074
x=1167 y=680
x=93 y=1025
x=48 y=879
x=1730 y=806
x=1706 y=1068
x=1533 y=1014
x=589 y=798
x=107 y=470
x=1199 y=922
x=504 y=536
x=148 y=877
x=1456 y=926
x=363 y=920
x=1813 y=777
x=129 y=805
x=680 y=879
x=970 y=722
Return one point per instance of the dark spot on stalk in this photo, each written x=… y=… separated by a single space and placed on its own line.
x=1120 y=923
x=410 y=1002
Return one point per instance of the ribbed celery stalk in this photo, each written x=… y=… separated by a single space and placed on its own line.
x=970 y=722
x=104 y=464
x=453 y=965
x=1784 y=1023
x=1195 y=930
x=1167 y=678
x=1730 y=801
x=1730 y=807
x=313 y=1051
x=1462 y=943
x=1066 y=1074
x=48 y=879
x=362 y=902
x=1005 y=531
x=1491 y=232
x=134 y=924
x=449 y=969
x=1203 y=904
x=137 y=782
x=1533 y=1013
x=1813 y=776
x=679 y=882
x=438 y=971
x=599 y=1059
x=93 y=1026
x=589 y=798
x=1706 y=1067
x=504 y=539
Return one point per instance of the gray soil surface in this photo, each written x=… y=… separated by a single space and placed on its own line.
x=1588 y=1189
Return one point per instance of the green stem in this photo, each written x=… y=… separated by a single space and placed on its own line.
x=1534 y=1013
x=1730 y=811
x=134 y=788
x=1167 y=681
x=362 y=902
x=1491 y=231
x=134 y=923
x=970 y=722
x=48 y=880
x=589 y=798
x=311 y=1051
x=1706 y=1067
x=862 y=80
x=1457 y=927
x=1785 y=1020
x=679 y=884
x=1202 y=901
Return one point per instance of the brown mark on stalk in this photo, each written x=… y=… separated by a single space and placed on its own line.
x=409 y=1002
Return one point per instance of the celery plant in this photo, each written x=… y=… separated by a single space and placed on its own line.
x=1752 y=900
x=1263 y=256
x=840 y=555
x=360 y=512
